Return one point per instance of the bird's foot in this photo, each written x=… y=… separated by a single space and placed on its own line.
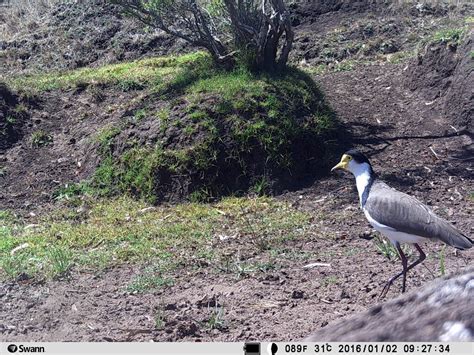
x=385 y=289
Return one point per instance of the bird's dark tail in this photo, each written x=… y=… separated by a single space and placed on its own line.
x=453 y=237
x=462 y=242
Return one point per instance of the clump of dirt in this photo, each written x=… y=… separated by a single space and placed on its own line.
x=85 y=33
x=12 y=117
x=443 y=76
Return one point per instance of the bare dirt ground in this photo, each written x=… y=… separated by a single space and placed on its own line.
x=413 y=144
x=412 y=147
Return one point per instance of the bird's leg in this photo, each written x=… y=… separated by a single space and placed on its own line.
x=404 y=273
x=405 y=268
x=420 y=259
x=404 y=264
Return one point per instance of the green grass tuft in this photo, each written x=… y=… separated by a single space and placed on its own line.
x=41 y=138
x=450 y=35
x=150 y=279
x=216 y=318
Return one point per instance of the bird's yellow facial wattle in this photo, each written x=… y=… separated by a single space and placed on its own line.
x=343 y=163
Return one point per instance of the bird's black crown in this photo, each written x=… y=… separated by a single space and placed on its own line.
x=358 y=156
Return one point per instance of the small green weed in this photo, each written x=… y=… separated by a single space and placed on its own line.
x=105 y=137
x=6 y=216
x=450 y=35
x=41 y=138
x=14 y=265
x=197 y=116
x=130 y=84
x=189 y=130
x=159 y=318
x=10 y=120
x=388 y=250
x=442 y=257
x=261 y=187
x=400 y=57
x=163 y=114
x=346 y=65
x=317 y=69
x=140 y=115
x=329 y=280
x=74 y=191
x=201 y=195
x=217 y=317
x=60 y=259
x=152 y=278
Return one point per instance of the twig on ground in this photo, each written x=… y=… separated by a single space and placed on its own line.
x=435 y=154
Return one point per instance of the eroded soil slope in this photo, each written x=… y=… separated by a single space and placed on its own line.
x=77 y=34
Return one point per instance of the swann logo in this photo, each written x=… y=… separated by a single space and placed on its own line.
x=25 y=349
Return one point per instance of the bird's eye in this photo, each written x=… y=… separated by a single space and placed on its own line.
x=349 y=157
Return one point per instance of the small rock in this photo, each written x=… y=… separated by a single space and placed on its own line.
x=171 y=307
x=23 y=277
x=344 y=294
x=187 y=329
x=272 y=277
x=367 y=235
x=297 y=294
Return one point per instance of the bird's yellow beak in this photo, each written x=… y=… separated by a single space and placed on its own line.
x=343 y=163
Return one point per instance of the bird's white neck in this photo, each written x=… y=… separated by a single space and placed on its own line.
x=363 y=175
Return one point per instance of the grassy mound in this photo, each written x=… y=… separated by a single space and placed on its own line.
x=194 y=131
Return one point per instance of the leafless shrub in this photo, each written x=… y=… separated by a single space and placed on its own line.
x=259 y=31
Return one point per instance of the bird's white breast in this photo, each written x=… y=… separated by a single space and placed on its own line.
x=392 y=234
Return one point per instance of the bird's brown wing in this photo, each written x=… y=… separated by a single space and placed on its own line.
x=406 y=214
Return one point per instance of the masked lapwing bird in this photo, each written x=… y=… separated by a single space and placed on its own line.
x=399 y=217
